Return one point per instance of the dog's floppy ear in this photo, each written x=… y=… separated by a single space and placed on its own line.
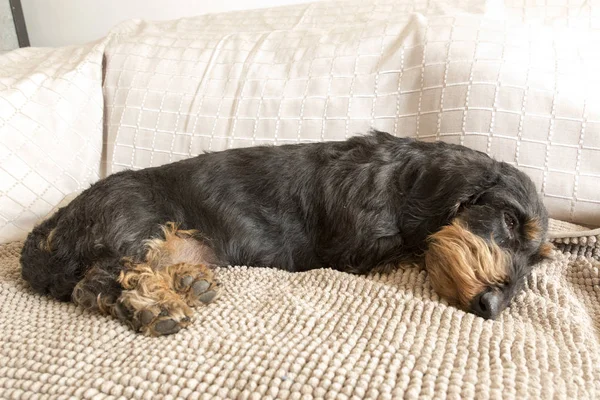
x=462 y=203
x=445 y=189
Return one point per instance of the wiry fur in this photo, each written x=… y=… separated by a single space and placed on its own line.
x=354 y=205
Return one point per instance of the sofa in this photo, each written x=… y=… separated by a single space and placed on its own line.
x=516 y=80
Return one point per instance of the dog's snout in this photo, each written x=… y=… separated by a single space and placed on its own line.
x=487 y=304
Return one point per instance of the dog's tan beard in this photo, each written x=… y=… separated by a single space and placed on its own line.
x=461 y=264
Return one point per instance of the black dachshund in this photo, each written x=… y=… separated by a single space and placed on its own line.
x=141 y=245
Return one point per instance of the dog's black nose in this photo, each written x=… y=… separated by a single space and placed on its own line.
x=487 y=304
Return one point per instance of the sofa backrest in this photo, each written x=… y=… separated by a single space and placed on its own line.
x=517 y=84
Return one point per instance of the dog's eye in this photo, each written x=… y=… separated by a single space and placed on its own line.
x=510 y=221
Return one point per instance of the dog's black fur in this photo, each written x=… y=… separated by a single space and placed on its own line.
x=353 y=206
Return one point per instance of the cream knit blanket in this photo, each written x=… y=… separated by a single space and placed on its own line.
x=319 y=334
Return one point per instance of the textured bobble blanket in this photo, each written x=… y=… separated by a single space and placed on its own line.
x=319 y=334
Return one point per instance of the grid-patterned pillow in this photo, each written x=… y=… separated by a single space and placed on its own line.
x=498 y=80
x=50 y=131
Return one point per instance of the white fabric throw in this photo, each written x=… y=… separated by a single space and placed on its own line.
x=318 y=334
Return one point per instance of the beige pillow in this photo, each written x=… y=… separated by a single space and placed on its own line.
x=51 y=113
x=521 y=92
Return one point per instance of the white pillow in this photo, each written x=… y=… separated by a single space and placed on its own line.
x=523 y=93
x=51 y=111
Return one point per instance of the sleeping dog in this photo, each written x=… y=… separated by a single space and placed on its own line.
x=142 y=245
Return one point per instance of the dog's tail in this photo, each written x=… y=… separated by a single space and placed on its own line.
x=42 y=264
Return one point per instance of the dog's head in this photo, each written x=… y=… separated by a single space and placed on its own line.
x=497 y=232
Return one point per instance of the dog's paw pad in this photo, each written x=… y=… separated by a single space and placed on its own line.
x=208 y=296
x=146 y=316
x=167 y=326
x=186 y=281
x=157 y=322
x=199 y=287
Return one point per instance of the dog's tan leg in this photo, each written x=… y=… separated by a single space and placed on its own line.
x=155 y=297
x=160 y=300
x=186 y=261
x=174 y=278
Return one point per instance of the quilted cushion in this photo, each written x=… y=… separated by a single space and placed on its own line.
x=514 y=81
x=51 y=114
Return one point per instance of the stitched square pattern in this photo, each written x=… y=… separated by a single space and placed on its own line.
x=518 y=86
x=50 y=131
